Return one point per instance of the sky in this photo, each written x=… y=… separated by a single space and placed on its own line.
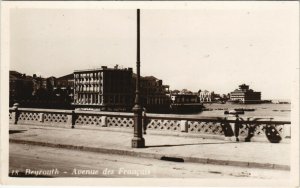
x=203 y=48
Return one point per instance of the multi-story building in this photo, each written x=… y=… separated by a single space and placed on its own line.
x=103 y=89
x=40 y=88
x=20 y=87
x=113 y=89
x=154 y=95
x=65 y=82
x=206 y=96
x=184 y=98
x=63 y=87
x=245 y=95
x=185 y=103
x=38 y=92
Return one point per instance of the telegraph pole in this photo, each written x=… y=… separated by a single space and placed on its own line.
x=138 y=141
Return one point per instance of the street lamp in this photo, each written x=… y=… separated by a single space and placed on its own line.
x=138 y=141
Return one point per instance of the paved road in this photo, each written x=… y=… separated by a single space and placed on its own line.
x=56 y=162
x=118 y=140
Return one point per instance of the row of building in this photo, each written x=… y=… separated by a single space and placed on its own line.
x=34 y=91
x=110 y=89
x=242 y=95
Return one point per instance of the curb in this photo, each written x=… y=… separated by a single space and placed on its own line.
x=155 y=156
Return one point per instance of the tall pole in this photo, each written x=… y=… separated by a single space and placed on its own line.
x=138 y=141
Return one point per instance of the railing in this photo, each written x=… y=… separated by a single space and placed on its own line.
x=237 y=128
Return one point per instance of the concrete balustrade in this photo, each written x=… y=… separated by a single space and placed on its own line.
x=230 y=128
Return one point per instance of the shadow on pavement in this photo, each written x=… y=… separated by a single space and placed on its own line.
x=16 y=131
x=173 y=159
x=171 y=145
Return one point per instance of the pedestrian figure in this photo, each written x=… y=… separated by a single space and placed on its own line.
x=237 y=128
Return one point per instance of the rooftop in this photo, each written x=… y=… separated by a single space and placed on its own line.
x=116 y=67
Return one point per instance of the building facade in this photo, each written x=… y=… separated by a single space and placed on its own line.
x=206 y=96
x=63 y=87
x=38 y=92
x=113 y=89
x=20 y=87
x=154 y=95
x=185 y=103
x=105 y=89
x=185 y=98
x=245 y=95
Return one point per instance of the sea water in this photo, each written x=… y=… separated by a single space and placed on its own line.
x=276 y=111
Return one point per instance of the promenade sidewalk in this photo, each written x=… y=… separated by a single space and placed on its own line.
x=201 y=150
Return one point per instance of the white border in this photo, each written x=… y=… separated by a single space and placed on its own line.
x=5 y=10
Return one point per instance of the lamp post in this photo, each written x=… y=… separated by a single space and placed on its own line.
x=138 y=141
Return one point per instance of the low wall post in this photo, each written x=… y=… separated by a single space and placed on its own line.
x=15 y=113
x=232 y=129
x=13 y=117
x=71 y=119
x=103 y=121
x=41 y=117
x=184 y=126
x=287 y=131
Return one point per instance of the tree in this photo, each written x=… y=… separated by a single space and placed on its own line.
x=175 y=91
x=185 y=91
